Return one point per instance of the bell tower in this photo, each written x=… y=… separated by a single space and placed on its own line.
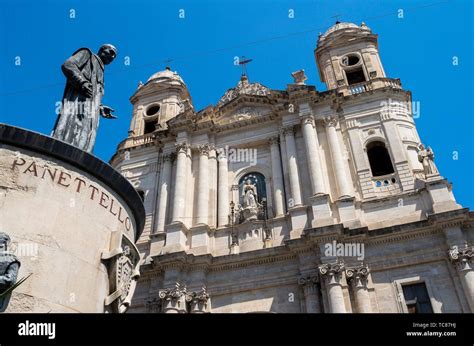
x=161 y=98
x=347 y=55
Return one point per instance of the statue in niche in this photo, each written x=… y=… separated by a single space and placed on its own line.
x=250 y=201
x=426 y=157
x=81 y=106
x=249 y=192
x=9 y=267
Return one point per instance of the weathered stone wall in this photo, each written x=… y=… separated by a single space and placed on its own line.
x=60 y=219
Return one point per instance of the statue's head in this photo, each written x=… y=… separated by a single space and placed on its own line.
x=4 y=241
x=107 y=53
x=249 y=182
x=421 y=146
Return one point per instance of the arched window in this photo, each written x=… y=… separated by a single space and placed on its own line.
x=256 y=179
x=379 y=158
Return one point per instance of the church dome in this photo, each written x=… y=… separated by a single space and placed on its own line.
x=342 y=26
x=164 y=76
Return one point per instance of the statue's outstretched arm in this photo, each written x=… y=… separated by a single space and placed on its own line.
x=71 y=68
x=9 y=277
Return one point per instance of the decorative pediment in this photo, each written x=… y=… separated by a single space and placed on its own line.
x=243 y=88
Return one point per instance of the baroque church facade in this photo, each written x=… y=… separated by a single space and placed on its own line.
x=295 y=200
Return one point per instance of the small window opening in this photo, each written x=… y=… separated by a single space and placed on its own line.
x=355 y=76
x=149 y=127
x=379 y=159
x=417 y=298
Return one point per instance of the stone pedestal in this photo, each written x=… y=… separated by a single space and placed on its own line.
x=176 y=237
x=347 y=212
x=77 y=218
x=440 y=194
x=322 y=214
x=200 y=239
x=299 y=220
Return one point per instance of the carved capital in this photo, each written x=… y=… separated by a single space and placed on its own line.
x=274 y=140
x=182 y=148
x=330 y=121
x=308 y=120
x=312 y=278
x=461 y=257
x=358 y=276
x=198 y=300
x=204 y=149
x=174 y=293
x=331 y=272
x=288 y=130
x=169 y=157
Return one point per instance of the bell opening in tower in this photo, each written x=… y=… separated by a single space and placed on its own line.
x=355 y=76
x=379 y=159
x=149 y=127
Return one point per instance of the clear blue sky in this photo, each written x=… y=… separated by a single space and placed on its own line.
x=418 y=49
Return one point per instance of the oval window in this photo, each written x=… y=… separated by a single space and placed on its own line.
x=350 y=60
x=152 y=110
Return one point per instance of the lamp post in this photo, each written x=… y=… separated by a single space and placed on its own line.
x=234 y=240
x=265 y=216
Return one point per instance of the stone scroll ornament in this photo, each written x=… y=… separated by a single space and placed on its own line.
x=81 y=106
x=123 y=262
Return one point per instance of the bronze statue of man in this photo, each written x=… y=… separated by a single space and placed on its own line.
x=78 y=117
x=9 y=266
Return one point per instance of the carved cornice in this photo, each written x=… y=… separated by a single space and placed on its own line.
x=351 y=123
x=462 y=258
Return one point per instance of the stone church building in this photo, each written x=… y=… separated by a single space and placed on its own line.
x=295 y=200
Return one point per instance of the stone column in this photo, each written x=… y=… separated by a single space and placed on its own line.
x=277 y=177
x=180 y=183
x=357 y=278
x=284 y=164
x=312 y=154
x=203 y=186
x=337 y=155
x=332 y=274
x=222 y=190
x=213 y=187
x=292 y=166
x=462 y=258
x=311 y=292
x=165 y=182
